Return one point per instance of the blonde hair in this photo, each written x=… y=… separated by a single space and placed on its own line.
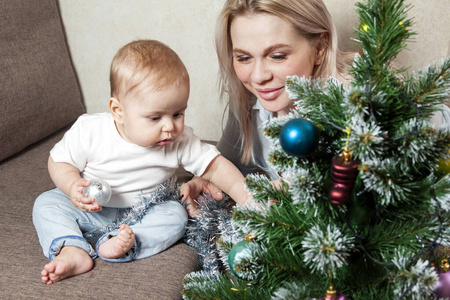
x=310 y=18
x=146 y=61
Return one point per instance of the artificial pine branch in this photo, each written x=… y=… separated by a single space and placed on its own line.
x=263 y=190
x=430 y=87
x=321 y=104
x=382 y=35
x=272 y=223
x=201 y=286
x=441 y=191
x=383 y=32
x=385 y=237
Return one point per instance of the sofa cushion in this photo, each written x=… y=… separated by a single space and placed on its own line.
x=39 y=91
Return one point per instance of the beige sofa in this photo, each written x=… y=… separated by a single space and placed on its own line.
x=40 y=97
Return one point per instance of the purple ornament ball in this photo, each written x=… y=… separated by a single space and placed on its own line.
x=337 y=296
x=443 y=288
x=340 y=296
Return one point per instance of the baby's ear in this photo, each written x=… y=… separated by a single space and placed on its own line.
x=116 y=109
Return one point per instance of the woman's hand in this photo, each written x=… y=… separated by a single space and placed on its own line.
x=193 y=188
x=79 y=200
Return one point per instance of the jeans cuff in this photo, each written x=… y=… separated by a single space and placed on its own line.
x=129 y=256
x=70 y=240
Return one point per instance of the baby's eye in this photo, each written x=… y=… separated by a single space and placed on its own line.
x=178 y=115
x=154 y=118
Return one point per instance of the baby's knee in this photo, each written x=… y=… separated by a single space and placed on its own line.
x=167 y=218
x=178 y=213
x=177 y=221
x=41 y=203
x=174 y=214
x=48 y=201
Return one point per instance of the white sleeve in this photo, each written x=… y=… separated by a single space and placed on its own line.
x=196 y=156
x=71 y=149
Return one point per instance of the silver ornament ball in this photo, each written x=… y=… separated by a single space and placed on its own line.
x=99 y=190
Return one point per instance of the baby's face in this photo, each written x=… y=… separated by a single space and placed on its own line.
x=154 y=118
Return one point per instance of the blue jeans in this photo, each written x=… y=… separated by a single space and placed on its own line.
x=59 y=223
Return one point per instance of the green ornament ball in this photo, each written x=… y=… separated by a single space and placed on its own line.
x=238 y=252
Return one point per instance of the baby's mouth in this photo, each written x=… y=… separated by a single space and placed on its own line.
x=164 y=142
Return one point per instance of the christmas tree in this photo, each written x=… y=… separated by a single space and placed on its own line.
x=364 y=211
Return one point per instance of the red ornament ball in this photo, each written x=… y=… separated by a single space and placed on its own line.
x=343 y=176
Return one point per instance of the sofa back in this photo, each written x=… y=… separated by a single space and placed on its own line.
x=39 y=92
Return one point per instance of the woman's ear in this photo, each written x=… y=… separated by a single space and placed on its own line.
x=321 y=48
x=116 y=109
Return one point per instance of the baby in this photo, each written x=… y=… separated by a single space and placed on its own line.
x=135 y=148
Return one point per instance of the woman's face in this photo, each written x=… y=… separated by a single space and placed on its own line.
x=266 y=49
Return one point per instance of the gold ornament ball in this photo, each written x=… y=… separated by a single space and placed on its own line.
x=365 y=27
x=443 y=167
x=444 y=266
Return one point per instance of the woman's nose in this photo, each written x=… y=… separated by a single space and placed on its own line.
x=260 y=73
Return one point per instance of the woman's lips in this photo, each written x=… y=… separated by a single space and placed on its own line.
x=269 y=94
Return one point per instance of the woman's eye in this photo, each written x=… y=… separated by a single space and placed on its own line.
x=279 y=57
x=242 y=58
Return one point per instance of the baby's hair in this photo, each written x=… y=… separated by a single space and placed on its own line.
x=146 y=61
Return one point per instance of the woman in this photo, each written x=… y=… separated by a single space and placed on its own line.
x=259 y=43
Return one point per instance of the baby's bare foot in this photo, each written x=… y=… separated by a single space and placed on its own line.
x=118 y=245
x=69 y=262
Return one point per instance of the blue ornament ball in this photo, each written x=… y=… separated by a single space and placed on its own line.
x=238 y=252
x=299 y=137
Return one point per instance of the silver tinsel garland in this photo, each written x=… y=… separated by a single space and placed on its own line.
x=212 y=222
x=166 y=191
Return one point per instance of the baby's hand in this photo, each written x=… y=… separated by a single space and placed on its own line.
x=192 y=207
x=79 y=200
x=193 y=188
x=198 y=185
